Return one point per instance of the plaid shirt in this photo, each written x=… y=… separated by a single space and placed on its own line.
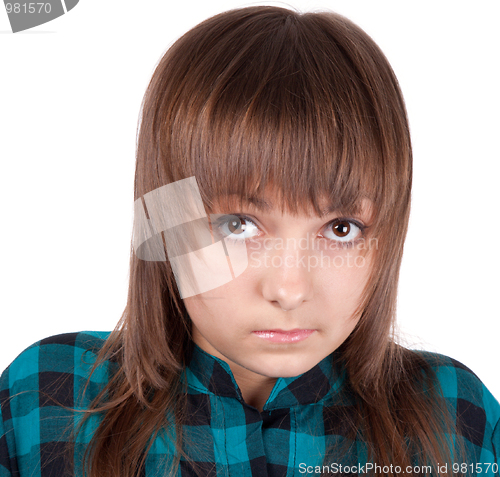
x=228 y=437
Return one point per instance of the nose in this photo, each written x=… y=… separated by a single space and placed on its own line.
x=286 y=280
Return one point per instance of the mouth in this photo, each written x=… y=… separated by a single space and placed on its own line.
x=284 y=336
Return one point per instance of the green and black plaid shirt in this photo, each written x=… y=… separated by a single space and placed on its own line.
x=227 y=437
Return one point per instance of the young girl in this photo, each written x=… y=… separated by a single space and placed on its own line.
x=272 y=191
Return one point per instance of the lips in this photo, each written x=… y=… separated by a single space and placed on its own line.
x=284 y=336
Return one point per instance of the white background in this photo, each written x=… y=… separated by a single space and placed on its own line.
x=70 y=93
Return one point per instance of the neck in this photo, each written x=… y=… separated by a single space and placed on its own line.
x=256 y=394
x=254 y=388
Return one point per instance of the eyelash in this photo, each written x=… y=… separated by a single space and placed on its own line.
x=344 y=244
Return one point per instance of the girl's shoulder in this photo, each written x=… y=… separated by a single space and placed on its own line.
x=59 y=362
x=449 y=371
x=461 y=387
x=39 y=394
x=58 y=352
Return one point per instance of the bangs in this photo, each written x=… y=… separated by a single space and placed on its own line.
x=282 y=141
x=278 y=103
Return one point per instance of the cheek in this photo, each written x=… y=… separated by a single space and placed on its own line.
x=216 y=309
x=343 y=284
x=198 y=310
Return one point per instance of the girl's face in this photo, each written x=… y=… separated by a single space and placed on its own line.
x=294 y=303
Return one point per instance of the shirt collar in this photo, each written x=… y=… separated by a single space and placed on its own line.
x=211 y=375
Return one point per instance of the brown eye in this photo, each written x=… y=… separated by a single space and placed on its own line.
x=342 y=229
x=236 y=228
x=236 y=225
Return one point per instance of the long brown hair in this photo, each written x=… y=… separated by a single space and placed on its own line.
x=308 y=104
